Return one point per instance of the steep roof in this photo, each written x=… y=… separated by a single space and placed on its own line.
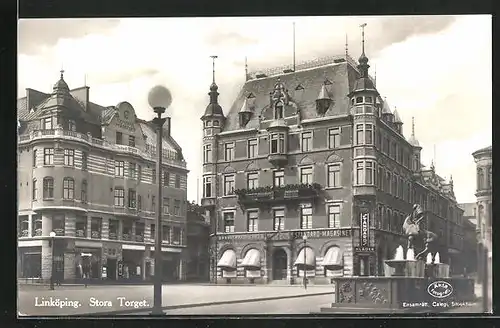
x=341 y=75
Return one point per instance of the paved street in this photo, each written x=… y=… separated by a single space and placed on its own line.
x=101 y=299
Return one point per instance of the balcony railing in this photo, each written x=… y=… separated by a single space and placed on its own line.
x=278 y=194
x=126 y=236
x=139 y=238
x=80 y=233
x=169 y=157
x=23 y=233
x=95 y=234
x=59 y=231
x=38 y=232
x=113 y=236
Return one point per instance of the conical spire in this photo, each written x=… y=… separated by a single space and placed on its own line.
x=213 y=108
x=61 y=86
x=363 y=60
x=413 y=140
x=386 y=108
x=397 y=118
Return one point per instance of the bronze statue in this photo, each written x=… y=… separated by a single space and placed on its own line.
x=411 y=228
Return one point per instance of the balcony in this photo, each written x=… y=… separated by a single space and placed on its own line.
x=126 y=236
x=59 y=231
x=38 y=232
x=277 y=159
x=273 y=195
x=94 y=234
x=149 y=152
x=23 y=233
x=113 y=236
x=80 y=233
x=139 y=238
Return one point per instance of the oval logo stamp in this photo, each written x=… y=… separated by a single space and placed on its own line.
x=440 y=289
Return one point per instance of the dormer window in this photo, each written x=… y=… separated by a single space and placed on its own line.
x=277 y=143
x=278 y=111
x=71 y=125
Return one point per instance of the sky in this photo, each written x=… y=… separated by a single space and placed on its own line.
x=437 y=69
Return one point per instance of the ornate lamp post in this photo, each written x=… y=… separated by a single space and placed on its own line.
x=159 y=99
x=52 y=236
x=304 y=238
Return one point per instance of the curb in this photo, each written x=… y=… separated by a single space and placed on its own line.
x=184 y=306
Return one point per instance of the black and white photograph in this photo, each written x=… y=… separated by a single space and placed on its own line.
x=231 y=166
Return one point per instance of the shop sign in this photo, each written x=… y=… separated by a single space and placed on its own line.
x=367 y=249
x=287 y=235
x=365 y=230
x=253 y=273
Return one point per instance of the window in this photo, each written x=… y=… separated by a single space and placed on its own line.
x=165 y=233
x=48 y=187
x=48 y=156
x=35 y=190
x=84 y=160
x=229 y=151
x=306 y=175
x=139 y=202
x=393 y=150
x=166 y=179
x=277 y=143
x=132 y=170
x=152 y=233
x=334 y=138
x=306 y=217
x=216 y=123
x=279 y=219
x=177 y=181
x=139 y=172
x=47 y=123
x=334 y=216
x=359 y=173
x=380 y=179
x=34 y=157
x=307 y=141
x=369 y=100
x=490 y=176
x=253 y=217
x=68 y=188
x=369 y=134
x=252 y=180
x=480 y=178
x=119 y=168
x=386 y=143
x=166 y=205
x=131 y=141
x=83 y=195
x=228 y=185
x=252 y=148
x=208 y=123
x=279 y=178
x=377 y=140
x=71 y=125
x=395 y=185
x=69 y=157
x=207 y=153
x=388 y=182
x=359 y=134
x=359 y=100
x=153 y=176
x=119 y=197
x=333 y=175
x=119 y=138
x=369 y=173
x=132 y=198
x=207 y=187
x=153 y=203
x=229 y=222
x=177 y=207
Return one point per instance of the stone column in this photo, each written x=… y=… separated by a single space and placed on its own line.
x=89 y=226
x=105 y=228
x=30 y=225
x=46 y=247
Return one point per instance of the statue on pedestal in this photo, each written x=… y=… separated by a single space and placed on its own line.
x=412 y=229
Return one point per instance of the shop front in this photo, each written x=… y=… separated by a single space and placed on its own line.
x=171 y=264
x=30 y=262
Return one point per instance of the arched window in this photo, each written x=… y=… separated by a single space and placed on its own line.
x=68 y=188
x=480 y=178
x=48 y=187
x=278 y=110
x=84 y=191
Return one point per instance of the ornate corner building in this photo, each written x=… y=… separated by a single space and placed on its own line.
x=484 y=193
x=87 y=173
x=315 y=151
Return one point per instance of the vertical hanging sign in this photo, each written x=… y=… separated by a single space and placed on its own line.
x=365 y=230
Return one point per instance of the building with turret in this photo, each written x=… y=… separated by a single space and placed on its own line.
x=315 y=151
x=87 y=173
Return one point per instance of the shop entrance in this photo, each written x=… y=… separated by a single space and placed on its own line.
x=279 y=264
x=112 y=265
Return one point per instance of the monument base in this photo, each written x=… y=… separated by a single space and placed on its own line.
x=401 y=294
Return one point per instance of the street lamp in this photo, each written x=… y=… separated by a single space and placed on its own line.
x=304 y=238
x=159 y=98
x=52 y=236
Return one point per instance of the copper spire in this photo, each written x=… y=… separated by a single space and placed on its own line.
x=213 y=67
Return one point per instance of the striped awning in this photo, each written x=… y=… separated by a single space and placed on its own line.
x=228 y=261
x=309 y=259
x=333 y=259
x=251 y=260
